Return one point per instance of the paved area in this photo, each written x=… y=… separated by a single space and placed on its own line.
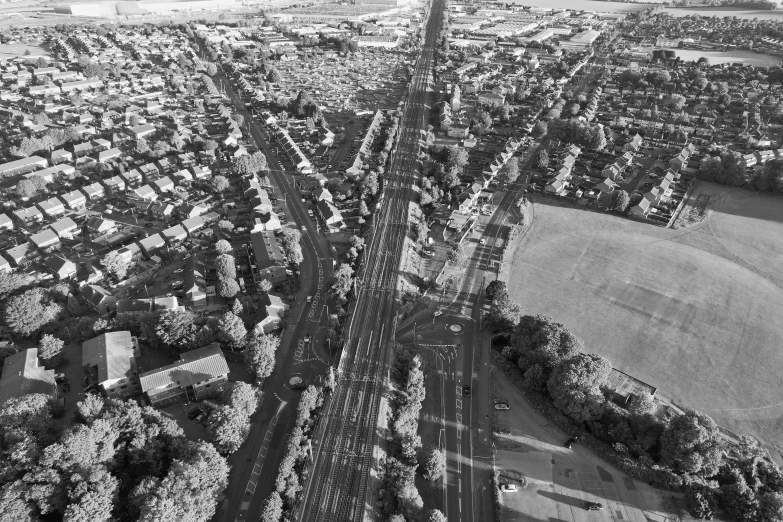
x=561 y=481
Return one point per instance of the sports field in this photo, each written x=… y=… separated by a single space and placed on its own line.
x=677 y=309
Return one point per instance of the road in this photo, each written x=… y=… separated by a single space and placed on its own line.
x=344 y=440
x=254 y=467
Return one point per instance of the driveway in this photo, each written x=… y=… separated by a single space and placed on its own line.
x=560 y=480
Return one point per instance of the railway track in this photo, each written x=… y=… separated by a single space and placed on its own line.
x=344 y=438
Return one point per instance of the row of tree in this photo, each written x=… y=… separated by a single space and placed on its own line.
x=288 y=482
x=229 y=422
x=119 y=462
x=728 y=168
x=687 y=449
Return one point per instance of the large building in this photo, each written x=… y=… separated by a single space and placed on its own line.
x=113 y=9
x=198 y=374
x=22 y=375
x=109 y=362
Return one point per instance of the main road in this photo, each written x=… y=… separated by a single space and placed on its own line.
x=254 y=467
x=343 y=444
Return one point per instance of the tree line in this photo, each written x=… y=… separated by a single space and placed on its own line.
x=679 y=450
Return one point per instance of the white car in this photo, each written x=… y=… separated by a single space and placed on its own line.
x=502 y=406
x=307 y=338
x=508 y=488
x=483 y=241
x=437 y=313
x=309 y=299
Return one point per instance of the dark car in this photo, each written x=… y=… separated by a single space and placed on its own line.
x=466 y=391
x=60 y=377
x=570 y=442
x=66 y=387
x=594 y=506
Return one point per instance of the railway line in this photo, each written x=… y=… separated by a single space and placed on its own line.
x=344 y=439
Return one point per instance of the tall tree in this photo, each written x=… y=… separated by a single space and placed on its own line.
x=231 y=330
x=116 y=264
x=691 y=444
x=260 y=353
x=576 y=383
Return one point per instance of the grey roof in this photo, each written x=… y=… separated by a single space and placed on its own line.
x=193 y=367
x=22 y=375
x=112 y=353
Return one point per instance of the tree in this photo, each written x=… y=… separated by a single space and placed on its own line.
x=510 y=171
x=575 y=386
x=539 y=344
x=90 y=408
x=291 y=245
x=225 y=265
x=542 y=159
x=493 y=288
x=30 y=311
x=691 y=444
x=456 y=157
x=260 y=353
x=231 y=330
x=227 y=287
x=342 y=280
x=26 y=188
x=273 y=508
x=10 y=282
x=265 y=286
x=738 y=500
x=620 y=200
x=643 y=404
x=237 y=308
x=50 y=348
x=134 y=120
x=249 y=164
x=225 y=225
x=220 y=183
x=142 y=147
x=770 y=507
x=700 y=501
x=434 y=465
x=115 y=264
x=435 y=515
x=224 y=247
x=242 y=397
x=211 y=69
x=176 y=328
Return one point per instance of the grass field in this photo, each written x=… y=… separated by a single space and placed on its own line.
x=588 y=5
x=18 y=50
x=678 y=309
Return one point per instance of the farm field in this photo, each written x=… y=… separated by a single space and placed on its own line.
x=674 y=308
x=588 y=5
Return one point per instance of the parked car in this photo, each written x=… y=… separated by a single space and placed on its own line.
x=502 y=406
x=594 y=506
x=437 y=313
x=570 y=442
x=466 y=391
x=508 y=488
x=60 y=377
x=66 y=387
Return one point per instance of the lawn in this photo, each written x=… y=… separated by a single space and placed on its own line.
x=673 y=308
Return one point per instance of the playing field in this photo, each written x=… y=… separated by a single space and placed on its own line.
x=674 y=308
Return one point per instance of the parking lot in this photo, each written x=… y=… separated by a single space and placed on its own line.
x=561 y=481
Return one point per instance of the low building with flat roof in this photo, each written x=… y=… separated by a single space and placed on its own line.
x=23 y=375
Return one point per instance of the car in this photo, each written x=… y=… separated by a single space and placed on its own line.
x=199 y=416
x=304 y=229
x=66 y=387
x=304 y=200
x=466 y=391
x=428 y=253
x=437 y=313
x=60 y=377
x=594 y=506
x=570 y=442
x=483 y=241
x=309 y=299
x=508 y=488
x=502 y=406
x=310 y=213
x=194 y=413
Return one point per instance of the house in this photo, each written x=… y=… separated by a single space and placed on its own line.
x=198 y=374
x=161 y=209
x=109 y=363
x=148 y=304
x=146 y=193
x=52 y=207
x=132 y=178
x=28 y=215
x=267 y=251
x=20 y=253
x=175 y=234
x=5 y=222
x=64 y=228
x=611 y=172
x=607 y=185
x=330 y=214
x=151 y=244
x=322 y=194
x=266 y=222
x=93 y=192
x=60 y=267
x=195 y=287
x=44 y=239
x=98 y=226
x=23 y=375
x=99 y=298
x=163 y=185
x=5 y=265
x=272 y=312
x=114 y=185
x=106 y=155
x=458 y=131
x=642 y=208
x=192 y=225
x=491 y=99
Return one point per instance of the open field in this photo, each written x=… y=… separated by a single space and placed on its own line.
x=735 y=56
x=587 y=5
x=720 y=12
x=675 y=308
x=18 y=50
